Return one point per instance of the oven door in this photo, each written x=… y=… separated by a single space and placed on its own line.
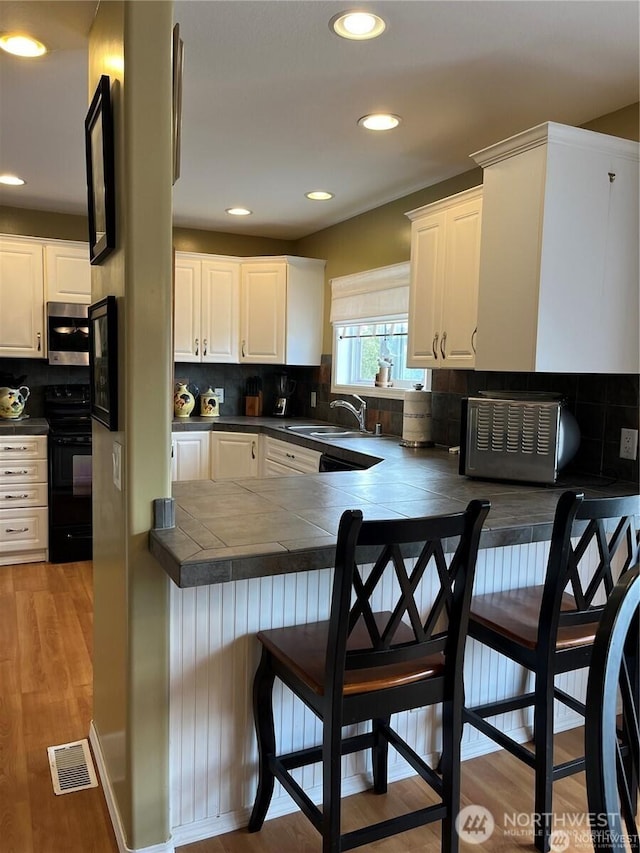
x=67 y=333
x=69 y=497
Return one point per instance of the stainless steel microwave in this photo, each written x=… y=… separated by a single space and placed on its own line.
x=67 y=333
x=517 y=436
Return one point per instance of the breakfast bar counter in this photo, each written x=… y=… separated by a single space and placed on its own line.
x=250 y=528
x=249 y=555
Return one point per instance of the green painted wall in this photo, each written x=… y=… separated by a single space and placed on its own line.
x=132 y=43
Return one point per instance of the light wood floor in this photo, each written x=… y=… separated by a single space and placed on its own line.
x=45 y=699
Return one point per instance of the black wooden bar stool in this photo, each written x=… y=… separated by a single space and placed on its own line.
x=550 y=629
x=363 y=665
x=612 y=748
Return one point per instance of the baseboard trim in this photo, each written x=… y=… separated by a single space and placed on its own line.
x=112 y=806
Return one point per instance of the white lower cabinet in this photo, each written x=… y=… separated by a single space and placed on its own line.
x=190 y=455
x=24 y=517
x=280 y=458
x=234 y=455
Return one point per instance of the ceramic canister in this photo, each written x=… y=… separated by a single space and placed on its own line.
x=209 y=404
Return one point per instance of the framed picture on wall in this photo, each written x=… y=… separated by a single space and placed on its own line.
x=99 y=145
x=103 y=362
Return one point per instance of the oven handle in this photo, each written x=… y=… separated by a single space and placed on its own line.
x=78 y=536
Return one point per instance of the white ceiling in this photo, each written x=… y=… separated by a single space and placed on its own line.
x=271 y=98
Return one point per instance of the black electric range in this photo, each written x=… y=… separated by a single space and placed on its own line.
x=67 y=408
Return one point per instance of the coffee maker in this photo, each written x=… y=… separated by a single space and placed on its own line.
x=284 y=389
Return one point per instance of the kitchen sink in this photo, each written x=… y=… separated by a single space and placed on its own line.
x=322 y=430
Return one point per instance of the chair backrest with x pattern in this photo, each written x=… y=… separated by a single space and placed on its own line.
x=445 y=546
x=611 y=527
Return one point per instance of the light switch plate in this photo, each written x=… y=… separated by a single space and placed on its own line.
x=116 y=461
x=219 y=392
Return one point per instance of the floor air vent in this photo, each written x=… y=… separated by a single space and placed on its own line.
x=71 y=767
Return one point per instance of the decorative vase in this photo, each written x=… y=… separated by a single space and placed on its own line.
x=12 y=401
x=183 y=401
x=209 y=404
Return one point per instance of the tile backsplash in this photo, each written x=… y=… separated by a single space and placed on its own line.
x=601 y=403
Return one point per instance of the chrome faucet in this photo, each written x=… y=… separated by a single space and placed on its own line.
x=359 y=413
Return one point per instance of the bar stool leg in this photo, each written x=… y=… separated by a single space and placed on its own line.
x=543 y=741
x=380 y=756
x=265 y=731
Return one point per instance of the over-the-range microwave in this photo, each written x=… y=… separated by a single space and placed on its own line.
x=67 y=333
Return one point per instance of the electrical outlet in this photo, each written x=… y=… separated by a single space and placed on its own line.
x=313 y=399
x=628 y=443
x=219 y=394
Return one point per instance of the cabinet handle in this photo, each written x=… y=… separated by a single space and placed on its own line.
x=13 y=449
x=443 y=342
x=15 y=473
x=253 y=450
x=243 y=352
x=290 y=455
x=39 y=342
x=434 y=345
x=16 y=530
x=473 y=339
x=612 y=177
x=204 y=346
x=16 y=497
x=197 y=347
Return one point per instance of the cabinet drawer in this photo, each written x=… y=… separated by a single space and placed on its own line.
x=13 y=447
x=291 y=455
x=24 y=529
x=21 y=495
x=23 y=471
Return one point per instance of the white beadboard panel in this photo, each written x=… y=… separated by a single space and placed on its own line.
x=214 y=654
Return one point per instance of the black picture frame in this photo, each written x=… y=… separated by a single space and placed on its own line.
x=177 y=51
x=99 y=145
x=103 y=362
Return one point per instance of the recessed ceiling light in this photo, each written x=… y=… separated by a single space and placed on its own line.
x=319 y=195
x=238 y=211
x=357 y=25
x=20 y=45
x=11 y=180
x=379 y=121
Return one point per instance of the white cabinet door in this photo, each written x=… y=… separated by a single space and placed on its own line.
x=220 y=327
x=425 y=293
x=460 y=286
x=234 y=455
x=187 y=343
x=190 y=455
x=445 y=253
x=21 y=299
x=263 y=313
x=67 y=272
x=559 y=253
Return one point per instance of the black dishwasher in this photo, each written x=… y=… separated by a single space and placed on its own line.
x=332 y=463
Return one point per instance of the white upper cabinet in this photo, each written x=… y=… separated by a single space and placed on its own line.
x=559 y=253
x=187 y=313
x=258 y=310
x=21 y=298
x=281 y=310
x=445 y=253
x=67 y=272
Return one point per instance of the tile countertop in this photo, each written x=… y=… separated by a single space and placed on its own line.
x=23 y=426
x=241 y=529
